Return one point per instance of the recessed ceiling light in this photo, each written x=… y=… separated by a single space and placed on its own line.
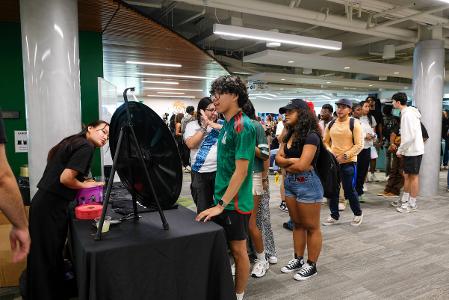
x=328 y=82
x=347 y=68
x=291 y=61
x=171 y=93
x=281 y=89
x=153 y=64
x=282 y=79
x=161 y=82
x=273 y=44
x=371 y=85
x=170 y=96
x=171 y=89
x=175 y=76
x=396 y=73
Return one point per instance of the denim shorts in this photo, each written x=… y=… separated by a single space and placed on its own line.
x=305 y=187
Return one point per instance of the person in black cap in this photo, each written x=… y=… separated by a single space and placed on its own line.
x=303 y=190
x=343 y=137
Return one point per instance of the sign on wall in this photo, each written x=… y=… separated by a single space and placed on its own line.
x=21 y=140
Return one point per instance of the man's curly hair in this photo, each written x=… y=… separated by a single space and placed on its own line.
x=229 y=84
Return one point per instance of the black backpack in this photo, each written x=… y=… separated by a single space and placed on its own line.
x=328 y=169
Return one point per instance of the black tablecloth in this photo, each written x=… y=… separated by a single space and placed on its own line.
x=143 y=261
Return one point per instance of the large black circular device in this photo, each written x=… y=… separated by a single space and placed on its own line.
x=160 y=154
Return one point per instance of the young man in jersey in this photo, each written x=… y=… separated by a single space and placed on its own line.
x=233 y=182
x=345 y=144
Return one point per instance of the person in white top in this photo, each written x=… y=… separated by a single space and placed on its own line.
x=325 y=116
x=411 y=149
x=201 y=136
x=364 y=157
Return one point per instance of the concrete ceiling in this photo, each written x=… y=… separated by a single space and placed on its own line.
x=364 y=27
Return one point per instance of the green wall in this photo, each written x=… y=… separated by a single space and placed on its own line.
x=91 y=67
x=12 y=97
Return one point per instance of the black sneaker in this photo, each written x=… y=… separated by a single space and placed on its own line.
x=288 y=225
x=283 y=207
x=307 y=271
x=293 y=265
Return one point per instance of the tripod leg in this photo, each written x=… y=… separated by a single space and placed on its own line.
x=147 y=175
x=136 y=214
x=109 y=187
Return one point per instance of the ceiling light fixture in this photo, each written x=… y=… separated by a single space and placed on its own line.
x=328 y=82
x=396 y=73
x=132 y=62
x=175 y=76
x=291 y=61
x=270 y=36
x=170 y=96
x=161 y=82
x=347 y=68
x=282 y=79
x=371 y=85
x=171 y=89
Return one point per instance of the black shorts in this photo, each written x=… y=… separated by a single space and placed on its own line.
x=234 y=224
x=412 y=164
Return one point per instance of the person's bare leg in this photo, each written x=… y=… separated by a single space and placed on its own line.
x=309 y=215
x=241 y=259
x=299 y=234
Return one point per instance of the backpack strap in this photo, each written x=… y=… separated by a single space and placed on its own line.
x=331 y=123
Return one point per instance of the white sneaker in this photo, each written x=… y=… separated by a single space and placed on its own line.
x=373 y=177
x=404 y=208
x=330 y=221
x=260 y=268
x=412 y=208
x=365 y=188
x=368 y=177
x=396 y=203
x=357 y=220
x=273 y=260
x=341 y=206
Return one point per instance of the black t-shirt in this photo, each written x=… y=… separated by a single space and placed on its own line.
x=76 y=156
x=2 y=130
x=296 y=150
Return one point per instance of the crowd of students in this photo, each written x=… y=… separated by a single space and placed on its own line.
x=229 y=153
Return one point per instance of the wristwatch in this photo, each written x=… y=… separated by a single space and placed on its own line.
x=203 y=129
x=345 y=156
x=222 y=203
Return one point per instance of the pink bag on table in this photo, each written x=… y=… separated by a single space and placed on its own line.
x=92 y=195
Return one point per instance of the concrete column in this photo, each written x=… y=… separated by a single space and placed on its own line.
x=428 y=84
x=51 y=77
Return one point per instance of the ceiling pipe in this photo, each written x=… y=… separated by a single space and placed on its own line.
x=384 y=8
x=400 y=20
x=194 y=17
x=283 y=12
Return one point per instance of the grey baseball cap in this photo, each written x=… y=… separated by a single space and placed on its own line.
x=344 y=101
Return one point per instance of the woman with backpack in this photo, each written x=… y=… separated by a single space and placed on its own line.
x=303 y=190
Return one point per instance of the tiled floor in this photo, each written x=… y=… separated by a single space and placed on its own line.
x=390 y=256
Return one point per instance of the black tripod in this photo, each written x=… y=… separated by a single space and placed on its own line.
x=127 y=129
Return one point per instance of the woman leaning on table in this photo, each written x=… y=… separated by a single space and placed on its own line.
x=68 y=164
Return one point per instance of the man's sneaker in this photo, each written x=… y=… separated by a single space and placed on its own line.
x=283 y=207
x=293 y=265
x=306 y=272
x=260 y=268
x=404 y=208
x=357 y=220
x=330 y=221
x=396 y=203
x=412 y=208
x=273 y=260
x=387 y=195
x=341 y=206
